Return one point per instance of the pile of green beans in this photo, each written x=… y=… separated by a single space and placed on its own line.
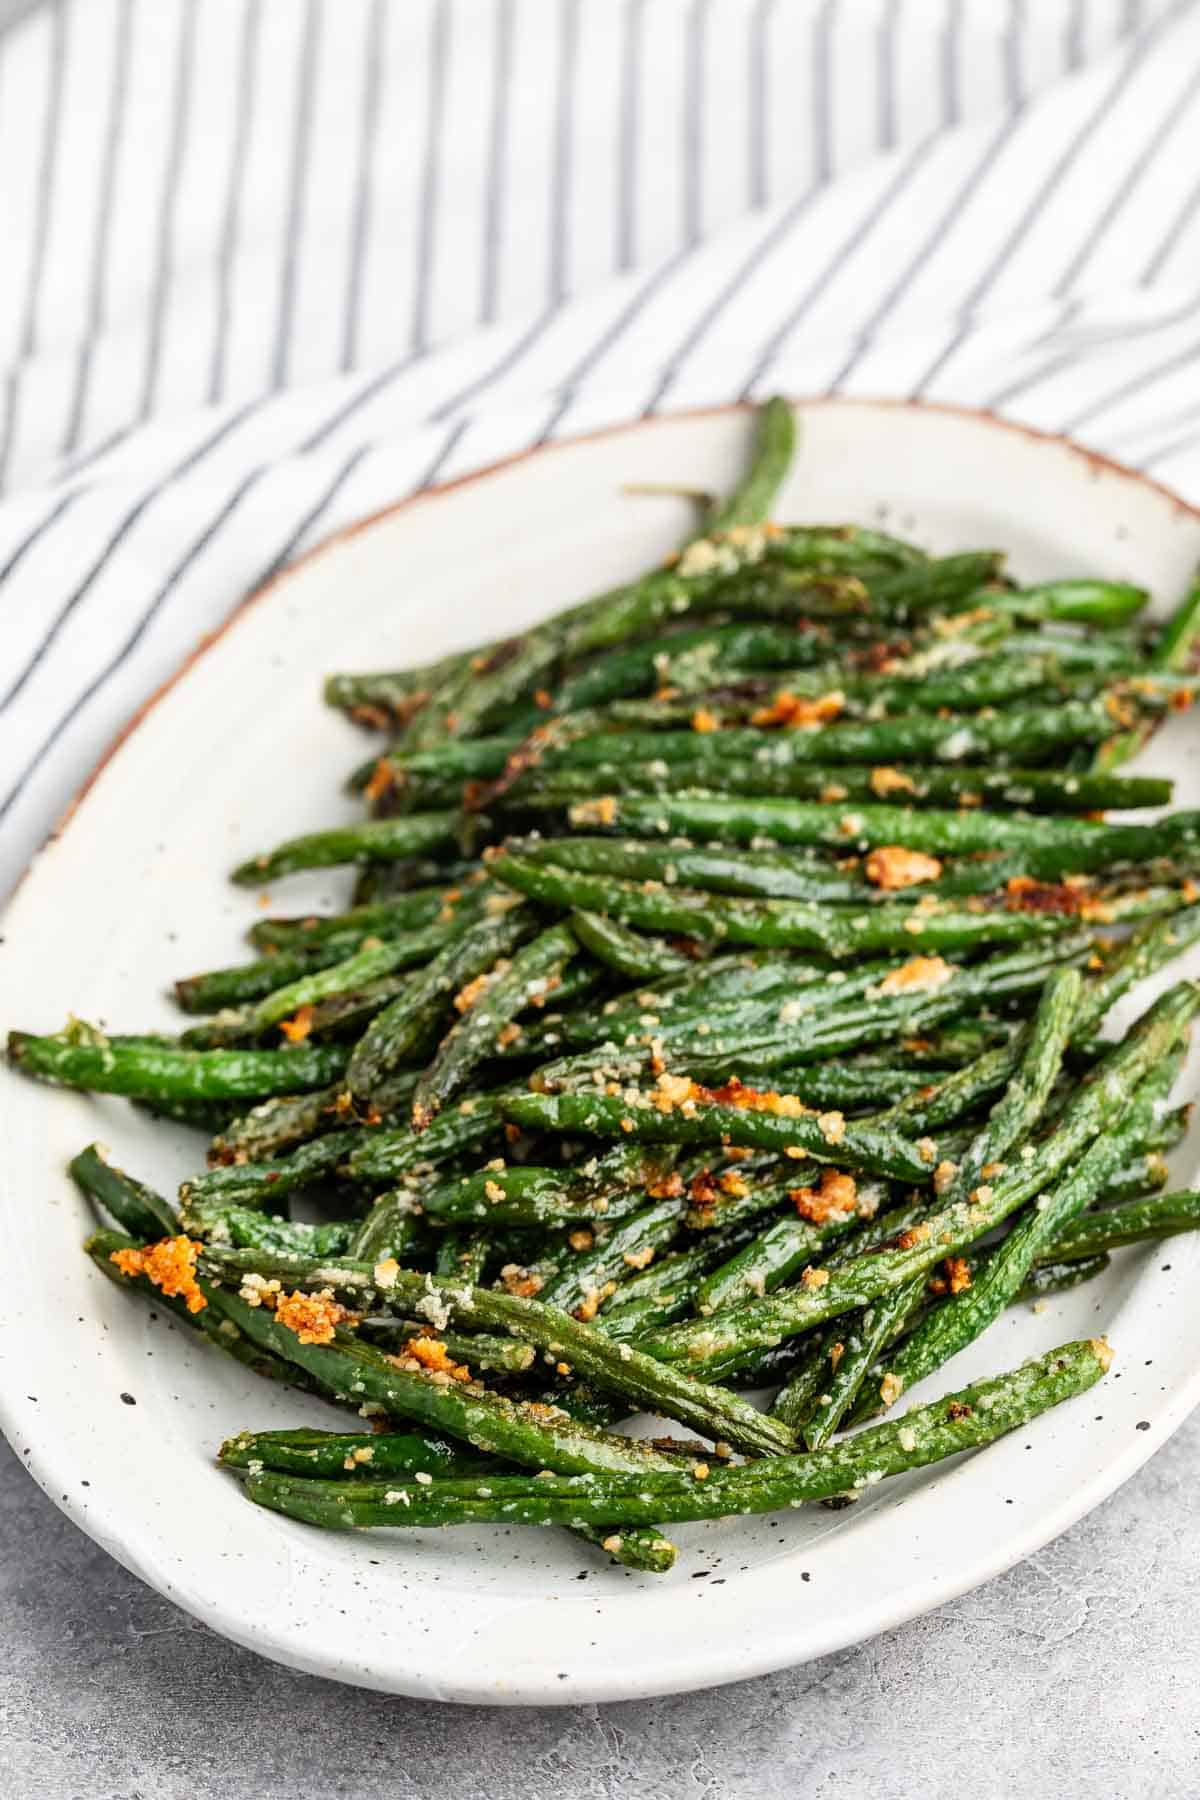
x=719 y=1006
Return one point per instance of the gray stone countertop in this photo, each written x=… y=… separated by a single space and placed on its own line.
x=1077 y=1674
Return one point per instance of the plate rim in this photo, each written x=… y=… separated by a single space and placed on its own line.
x=706 y=1668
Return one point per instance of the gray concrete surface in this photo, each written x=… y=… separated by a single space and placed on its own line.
x=1074 y=1675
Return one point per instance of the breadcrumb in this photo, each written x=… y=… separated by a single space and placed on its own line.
x=894 y=867
x=835 y=1198
x=521 y=1282
x=798 y=713
x=383 y=778
x=917 y=975
x=297 y=1028
x=313 y=1317
x=467 y=996
x=169 y=1265
x=891 y=781
x=431 y=1353
x=958 y=1274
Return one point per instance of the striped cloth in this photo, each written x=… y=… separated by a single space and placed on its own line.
x=272 y=263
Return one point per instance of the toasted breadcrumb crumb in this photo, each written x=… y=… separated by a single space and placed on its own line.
x=832 y=1126
x=521 y=1282
x=894 y=867
x=891 y=781
x=958 y=1274
x=467 y=996
x=297 y=1028
x=432 y=1354
x=835 y=1198
x=908 y=1240
x=815 y=1278
x=313 y=1317
x=383 y=779
x=589 y=1306
x=916 y=975
x=170 y=1265
x=800 y=714
x=639 y=1259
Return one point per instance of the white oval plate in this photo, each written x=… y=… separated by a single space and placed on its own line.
x=239 y=752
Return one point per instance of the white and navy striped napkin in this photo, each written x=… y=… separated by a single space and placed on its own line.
x=268 y=264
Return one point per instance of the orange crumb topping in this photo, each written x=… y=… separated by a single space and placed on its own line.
x=313 y=1317
x=466 y=997
x=1120 y=710
x=1024 y=894
x=894 y=867
x=383 y=779
x=521 y=1282
x=704 y=1188
x=592 y=1301
x=783 y=1106
x=835 y=1198
x=431 y=1353
x=958 y=1275
x=170 y=1265
x=891 y=781
x=908 y=1240
x=798 y=713
x=297 y=1028
x=920 y=972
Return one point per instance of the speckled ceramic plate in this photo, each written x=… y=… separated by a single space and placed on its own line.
x=117 y=1415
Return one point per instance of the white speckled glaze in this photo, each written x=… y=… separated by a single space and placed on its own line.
x=239 y=752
